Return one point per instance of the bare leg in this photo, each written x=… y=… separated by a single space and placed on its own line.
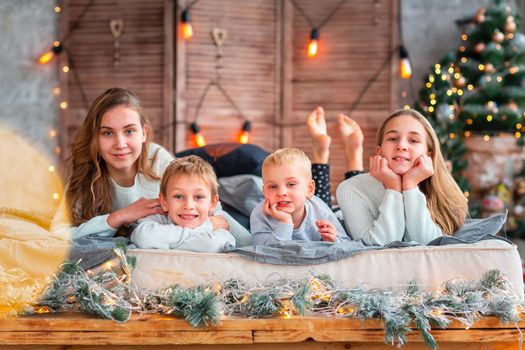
x=352 y=136
x=320 y=140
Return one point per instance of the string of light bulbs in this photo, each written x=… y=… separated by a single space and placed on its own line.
x=219 y=37
x=313 y=43
x=57 y=48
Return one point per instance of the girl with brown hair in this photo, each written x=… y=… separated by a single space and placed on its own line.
x=113 y=173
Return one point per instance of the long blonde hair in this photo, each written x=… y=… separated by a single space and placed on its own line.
x=89 y=185
x=447 y=205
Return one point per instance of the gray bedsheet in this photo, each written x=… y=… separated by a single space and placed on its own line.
x=93 y=251
x=309 y=253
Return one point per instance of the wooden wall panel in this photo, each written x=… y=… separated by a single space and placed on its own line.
x=146 y=60
x=357 y=41
x=265 y=68
x=249 y=73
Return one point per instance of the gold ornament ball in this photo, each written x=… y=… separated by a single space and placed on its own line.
x=479 y=17
x=512 y=105
x=460 y=82
x=498 y=36
x=480 y=47
x=510 y=25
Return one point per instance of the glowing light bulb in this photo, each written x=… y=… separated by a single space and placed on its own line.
x=55 y=50
x=405 y=68
x=197 y=136
x=244 y=136
x=187 y=29
x=313 y=44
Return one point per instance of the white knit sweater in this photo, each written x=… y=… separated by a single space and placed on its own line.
x=379 y=216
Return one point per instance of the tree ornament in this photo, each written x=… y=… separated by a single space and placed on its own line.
x=460 y=82
x=498 y=36
x=479 y=48
x=510 y=25
x=479 y=17
x=512 y=105
x=489 y=68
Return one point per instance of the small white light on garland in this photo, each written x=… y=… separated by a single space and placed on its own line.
x=197 y=136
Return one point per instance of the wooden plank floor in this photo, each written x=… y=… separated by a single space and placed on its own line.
x=53 y=331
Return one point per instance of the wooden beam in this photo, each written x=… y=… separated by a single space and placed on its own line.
x=168 y=78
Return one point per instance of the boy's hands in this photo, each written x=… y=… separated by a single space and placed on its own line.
x=380 y=170
x=271 y=210
x=219 y=222
x=327 y=231
x=139 y=209
x=423 y=169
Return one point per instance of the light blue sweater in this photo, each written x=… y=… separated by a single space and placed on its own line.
x=160 y=232
x=267 y=230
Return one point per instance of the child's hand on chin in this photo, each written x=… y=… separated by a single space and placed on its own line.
x=219 y=222
x=380 y=170
x=279 y=215
x=422 y=170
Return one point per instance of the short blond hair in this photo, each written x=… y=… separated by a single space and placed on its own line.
x=290 y=156
x=190 y=166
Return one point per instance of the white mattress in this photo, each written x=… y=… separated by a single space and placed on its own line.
x=387 y=268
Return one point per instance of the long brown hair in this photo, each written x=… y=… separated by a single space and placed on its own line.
x=89 y=186
x=445 y=201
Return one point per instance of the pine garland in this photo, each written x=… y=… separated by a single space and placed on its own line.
x=110 y=294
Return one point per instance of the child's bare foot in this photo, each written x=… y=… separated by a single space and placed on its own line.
x=353 y=137
x=320 y=140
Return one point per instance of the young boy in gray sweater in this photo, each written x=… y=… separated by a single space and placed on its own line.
x=188 y=193
x=290 y=211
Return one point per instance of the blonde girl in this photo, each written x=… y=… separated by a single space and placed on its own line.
x=408 y=194
x=113 y=173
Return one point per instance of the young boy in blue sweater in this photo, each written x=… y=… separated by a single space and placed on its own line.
x=188 y=193
x=290 y=211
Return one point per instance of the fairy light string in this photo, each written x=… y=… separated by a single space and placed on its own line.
x=110 y=293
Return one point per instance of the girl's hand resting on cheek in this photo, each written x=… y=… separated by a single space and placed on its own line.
x=219 y=222
x=271 y=210
x=423 y=169
x=380 y=170
x=139 y=209
x=327 y=231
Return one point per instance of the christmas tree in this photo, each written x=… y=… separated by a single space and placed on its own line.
x=478 y=88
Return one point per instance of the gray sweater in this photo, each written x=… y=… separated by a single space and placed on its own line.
x=160 y=232
x=267 y=230
x=379 y=216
